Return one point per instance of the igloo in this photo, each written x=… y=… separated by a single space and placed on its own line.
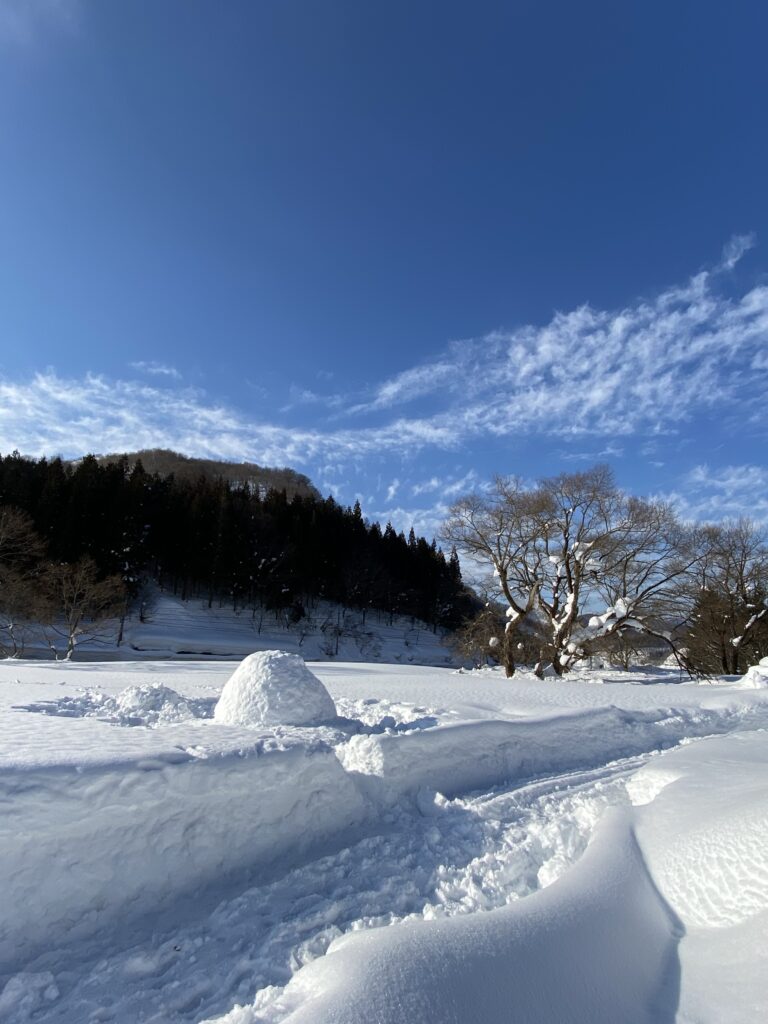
x=274 y=688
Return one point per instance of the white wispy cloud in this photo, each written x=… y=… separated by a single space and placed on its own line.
x=608 y=374
x=392 y=490
x=610 y=451
x=448 y=487
x=156 y=369
x=52 y=414
x=452 y=488
x=727 y=492
x=409 y=385
x=735 y=248
x=647 y=367
x=426 y=486
x=299 y=396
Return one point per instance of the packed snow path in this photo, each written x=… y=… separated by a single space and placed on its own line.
x=160 y=866
x=444 y=858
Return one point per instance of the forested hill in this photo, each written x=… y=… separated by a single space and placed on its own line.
x=165 y=462
x=209 y=537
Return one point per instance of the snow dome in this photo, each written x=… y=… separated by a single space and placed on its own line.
x=274 y=688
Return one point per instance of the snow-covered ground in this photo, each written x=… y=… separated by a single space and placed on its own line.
x=450 y=847
x=171 y=628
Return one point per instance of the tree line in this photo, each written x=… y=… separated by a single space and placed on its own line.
x=113 y=526
x=578 y=568
x=164 y=462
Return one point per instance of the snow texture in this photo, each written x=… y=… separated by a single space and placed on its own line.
x=274 y=688
x=756 y=676
x=458 y=847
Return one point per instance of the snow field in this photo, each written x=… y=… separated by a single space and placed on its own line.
x=335 y=873
x=459 y=857
x=173 y=628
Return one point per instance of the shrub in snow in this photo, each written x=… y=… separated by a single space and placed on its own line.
x=274 y=688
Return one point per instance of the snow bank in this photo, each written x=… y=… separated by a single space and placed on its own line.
x=274 y=688
x=711 y=809
x=664 y=918
x=455 y=759
x=704 y=836
x=83 y=849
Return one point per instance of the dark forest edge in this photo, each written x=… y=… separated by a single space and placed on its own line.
x=164 y=462
x=82 y=540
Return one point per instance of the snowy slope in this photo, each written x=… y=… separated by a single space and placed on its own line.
x=158 y=865
x=174 y=627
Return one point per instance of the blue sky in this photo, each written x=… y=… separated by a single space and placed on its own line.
x=400 y=247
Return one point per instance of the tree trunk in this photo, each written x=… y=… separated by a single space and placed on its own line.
x=508 y=661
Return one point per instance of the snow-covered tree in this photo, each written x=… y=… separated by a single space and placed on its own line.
x=576 y=561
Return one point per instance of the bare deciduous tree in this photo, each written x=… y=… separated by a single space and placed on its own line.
x=20 y=552
x=568 y=546
x=79 y=604
x=20 y=545
x=494 y=530
x=729 y=594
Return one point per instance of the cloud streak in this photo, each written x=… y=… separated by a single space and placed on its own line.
x=648 y=367
x=55 y=415
x=728 y=492
x=156 y=369
x=645 y=369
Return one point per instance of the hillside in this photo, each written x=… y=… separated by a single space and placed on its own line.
x=211 y=540
x=169 y=627
x=163 y=462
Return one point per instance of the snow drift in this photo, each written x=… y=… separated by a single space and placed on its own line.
x=597 y=947
x=85 y=849
x=663 y=919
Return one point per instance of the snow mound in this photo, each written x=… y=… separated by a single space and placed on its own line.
x=274 y=688
x=152 y=704
x=756 y=677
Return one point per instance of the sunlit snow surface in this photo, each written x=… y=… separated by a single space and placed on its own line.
x=454 y=847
